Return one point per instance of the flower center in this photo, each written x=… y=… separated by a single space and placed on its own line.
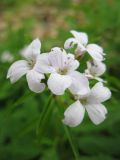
x=83 y=101
x=62 y=71
x=31 y=63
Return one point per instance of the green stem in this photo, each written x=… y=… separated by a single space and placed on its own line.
x=75 y=152
x=44 y=116
x=71 y=142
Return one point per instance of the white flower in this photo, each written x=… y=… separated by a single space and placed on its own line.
x=81 y=39
x=95 y=69
x=62 y=67
x=7 y=57
x=92 y=103
x=29 y=67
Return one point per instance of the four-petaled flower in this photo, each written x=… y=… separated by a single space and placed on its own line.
x=92 y=102
x=28 y=67
x=62 y=67
x=95 y=69
x=81 y=40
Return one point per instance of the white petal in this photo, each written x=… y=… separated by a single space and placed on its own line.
x=99 y=93
x=96 y=68
x=100 y=79
x=57 y=58
x=71 y=63
x=34 y=81
x=80 y=37
x=61 y=61
x=74 y=114
x=58 y=83
x=96 y=112
x=100 y=68
x=17 y=70
x=43 y=65
x=69 y=43
x=32 y=50
x=80 y=50
x=80 y=84
x=95 y=51
x=88 y=75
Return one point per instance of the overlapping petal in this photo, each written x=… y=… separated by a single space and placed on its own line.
x=43 y=64
x=71 y=64
x=69 y=43
x=57 y=58
x=58 y=83
x=99 y=93
x=34 y=81
x=95 y=51
x=80 y=84
x=81 y=37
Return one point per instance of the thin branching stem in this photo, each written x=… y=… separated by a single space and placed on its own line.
x=44 y=116
x=71 y=142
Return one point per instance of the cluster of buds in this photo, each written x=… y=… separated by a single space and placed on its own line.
x=60 y=69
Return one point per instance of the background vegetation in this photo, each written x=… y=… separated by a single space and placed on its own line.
x=20 y=110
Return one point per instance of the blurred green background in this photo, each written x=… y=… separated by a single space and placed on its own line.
x=20 y=110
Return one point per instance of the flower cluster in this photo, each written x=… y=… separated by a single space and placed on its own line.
x=61 y=71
